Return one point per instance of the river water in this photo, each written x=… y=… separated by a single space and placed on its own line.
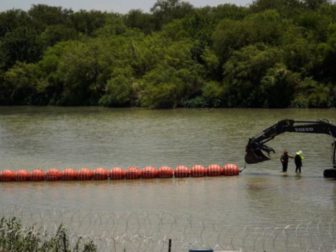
x=259 y=210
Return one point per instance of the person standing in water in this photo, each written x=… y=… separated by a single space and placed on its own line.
x=284 y=161
x=298 y=161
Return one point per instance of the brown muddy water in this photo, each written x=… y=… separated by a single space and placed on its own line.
x=260 y=210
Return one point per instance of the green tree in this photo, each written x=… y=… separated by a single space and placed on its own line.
x=230 y=35
x=174 y=80
x=118 y=89
x=23 y=86
x=325 y=69
x=300 y=54
x=315 y=25
x=162 y=88
x=225 y=11
x=87 y=22
x=43 y=16
x=20 y=44
x=165 y=11
x=285 y=7
x=213 y=93
x=278 y=86
x=314 y=4
x=56 y=33
x=139 y=20
x=243 y=73
x=114 y=26
x=311 y=94
x=11 y=20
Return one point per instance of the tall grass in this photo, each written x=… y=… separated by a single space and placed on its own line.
x=15 y=237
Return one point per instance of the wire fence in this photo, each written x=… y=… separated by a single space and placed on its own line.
x=150 y=231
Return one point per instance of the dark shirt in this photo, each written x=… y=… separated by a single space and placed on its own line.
x=284 y=158
x=298 y=160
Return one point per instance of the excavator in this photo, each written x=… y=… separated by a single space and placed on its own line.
x=257 y=151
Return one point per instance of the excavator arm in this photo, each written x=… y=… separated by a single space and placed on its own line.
x=257 y=151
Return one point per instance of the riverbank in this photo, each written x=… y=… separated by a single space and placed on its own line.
x=15 y=237
x=274 y=55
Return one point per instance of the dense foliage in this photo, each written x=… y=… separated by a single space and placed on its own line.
x=15 y=238
x=274 y=53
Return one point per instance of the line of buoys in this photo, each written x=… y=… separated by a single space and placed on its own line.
x=132 y=172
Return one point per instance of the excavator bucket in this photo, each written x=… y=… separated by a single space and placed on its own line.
x=256 y=154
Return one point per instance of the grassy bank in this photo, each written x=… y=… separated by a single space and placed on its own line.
x=15 y=237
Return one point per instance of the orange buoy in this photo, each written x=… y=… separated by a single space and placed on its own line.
x=100 y=174
x=53 y=174
x=215 y=170
x=22 y=175
x=149 y=172
x=231 y=170
x=165 y=172
x=117 y=173
x=69 y=174
x=132 y=173
x=38 y=175
x=181 y=171
x=198 y=171
x=85 y=174
x=7 y=175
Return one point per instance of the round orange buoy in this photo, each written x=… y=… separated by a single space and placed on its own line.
x=181 y=171
x=133 y=173
x=38 y=175
x=85 y=174
x=198 y=171
x=69 y=174
x=53 y=174
x=117 y=173
x=22 y=175
x=7 y=175
x=100 y=174
x=149 y=172
x=231 y=170
x=215 y=170
x=165 y=172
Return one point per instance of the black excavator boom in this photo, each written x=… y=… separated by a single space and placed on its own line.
x=257 y=151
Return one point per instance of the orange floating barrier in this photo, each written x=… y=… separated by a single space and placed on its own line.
x=85 y=174
x=38 y=175
x=181 y=171
x=53 y=174
x=22 y=175
x=117 y=173
x=7 y=175
x=69 y=174
x=198 y=171
x=149 y=172
x=215 y=170
x=231 y=170
x=165 y=172
x=132 y=173
x=100 y=174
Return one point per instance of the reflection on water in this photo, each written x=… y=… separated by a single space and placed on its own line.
x=261 y=210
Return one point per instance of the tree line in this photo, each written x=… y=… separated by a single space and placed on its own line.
x=273 y=54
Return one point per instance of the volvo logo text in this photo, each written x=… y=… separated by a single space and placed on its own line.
x=304 y=129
